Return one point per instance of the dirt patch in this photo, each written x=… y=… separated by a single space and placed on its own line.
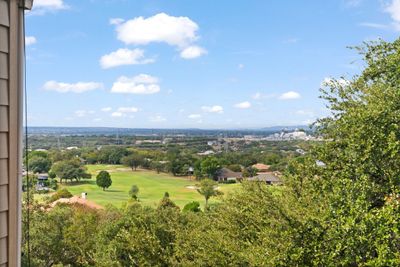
x=192 y=187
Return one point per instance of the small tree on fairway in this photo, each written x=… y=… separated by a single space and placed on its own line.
x=207 y=188
x=103 y=180
x=134 y=192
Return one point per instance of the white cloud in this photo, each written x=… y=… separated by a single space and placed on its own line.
x=373 y=25
x=175 y=31
x=116 y=21
x=40 y=7
x=117 y=114
x=180 y=32
x=353 y=3
x=394 y=10
x=302 y=112
x=140 y=84
x=78 y=87
x=128 y=109
x=106 y=109
x=194 y=116
x=124 y=56
x=30 y=40
x=213 y=109
x=240 y=66
x=243 y=105
x=258 y=96
x=289 y=95
x=157 y=118
x=123 y=111
x=193 y=52
x=83 y=113
x=97 y=119
x=291 y=41
x=51 y=4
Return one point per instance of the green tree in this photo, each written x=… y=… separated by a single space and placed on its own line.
x=249 y=172
x=234 y=167
x=210 y=167
x=134 y=191
x=207 y=188
x=111 y=154
x=38 y=164
x=133 y=161
x=166 y=202
x=103 y=180
x=69 y=170
x=157 y=166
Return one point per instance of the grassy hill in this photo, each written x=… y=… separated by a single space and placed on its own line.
x=151 y=187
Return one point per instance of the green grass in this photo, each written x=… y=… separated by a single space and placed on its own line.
x=151 y=187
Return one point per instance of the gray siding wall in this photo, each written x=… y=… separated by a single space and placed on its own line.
x=10 y=128
x=4 y=103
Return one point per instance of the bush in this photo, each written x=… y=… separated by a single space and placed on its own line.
x=192 y=206
x=53 y=184
x=228 y=182
x=62 y=193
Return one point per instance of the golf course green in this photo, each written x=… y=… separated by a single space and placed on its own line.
x=152 y=187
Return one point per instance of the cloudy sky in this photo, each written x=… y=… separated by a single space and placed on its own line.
x=203 y=64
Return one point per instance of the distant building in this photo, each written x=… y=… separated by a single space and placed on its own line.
x=212 y=143
x=71 y=148
x=226 y=174
x=268 y=177
x=42 y=181
x=206 y=153
x=300 y=151
x=261 y=167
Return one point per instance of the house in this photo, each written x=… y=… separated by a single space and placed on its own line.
x=267 y=177
x=261 y=167
x=212 y=143
x=206 y=153
x=42 y=182
x=226 y=174
x=300 y=151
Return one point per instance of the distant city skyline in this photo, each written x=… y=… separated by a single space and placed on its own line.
x=193 y=64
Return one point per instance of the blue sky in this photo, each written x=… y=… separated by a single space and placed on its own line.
x=202 y=64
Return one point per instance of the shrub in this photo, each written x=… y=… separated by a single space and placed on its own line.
x=62 y=193
x=192 y=206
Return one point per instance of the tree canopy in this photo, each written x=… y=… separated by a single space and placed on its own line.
x=70 y=170
x=103 y=180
